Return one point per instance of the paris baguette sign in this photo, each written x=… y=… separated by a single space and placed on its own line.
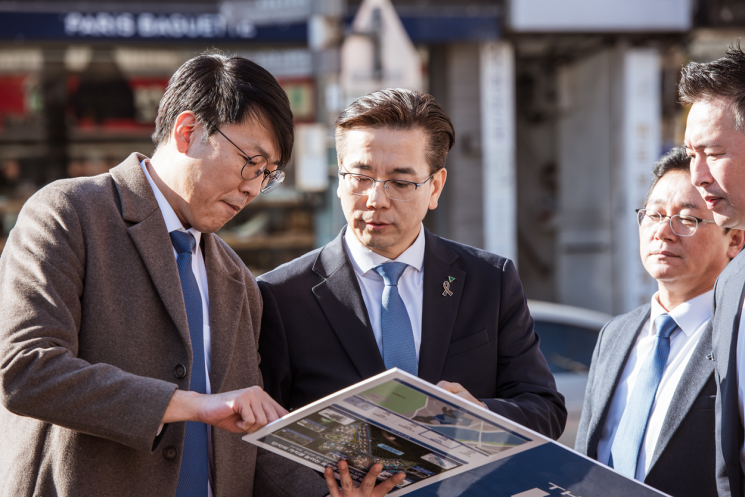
x=144 y=26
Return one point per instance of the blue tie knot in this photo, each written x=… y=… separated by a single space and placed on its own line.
x=665 y=325
x=183 y=242
x=391 y=272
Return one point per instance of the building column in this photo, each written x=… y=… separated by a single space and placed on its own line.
x=497 y=88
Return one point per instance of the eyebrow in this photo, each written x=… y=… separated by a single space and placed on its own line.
x=703 y=145
x=684 y=205
x=396 y=170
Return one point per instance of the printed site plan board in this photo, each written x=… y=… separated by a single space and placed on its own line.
x=445 y=445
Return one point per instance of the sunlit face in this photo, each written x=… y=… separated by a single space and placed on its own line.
x=693 y=262
x=387 y=226
x=208 y=183
x=717 y=152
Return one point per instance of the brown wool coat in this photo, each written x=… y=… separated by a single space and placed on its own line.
x=92 y=326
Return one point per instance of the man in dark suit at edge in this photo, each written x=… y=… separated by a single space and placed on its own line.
x=388 y=293
x=649 y=404
x=715 y=141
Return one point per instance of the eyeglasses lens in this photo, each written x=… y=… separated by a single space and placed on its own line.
x=680 y=225
x=253 y=167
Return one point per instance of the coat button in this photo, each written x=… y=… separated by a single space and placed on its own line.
x=180 y=371
x=170 y=453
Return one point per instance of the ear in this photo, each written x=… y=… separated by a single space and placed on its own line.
x=184 y=131
x=736 y=241
x=438 y=183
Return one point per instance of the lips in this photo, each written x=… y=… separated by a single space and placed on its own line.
x=235 y=208
x=664 y=253
x=711 y=201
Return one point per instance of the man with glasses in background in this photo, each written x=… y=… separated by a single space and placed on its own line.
x=129 y=331
x=649 y=404
x=388 y=293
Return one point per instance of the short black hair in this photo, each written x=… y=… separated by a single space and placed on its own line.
x=222 y=90
x=721 y=78
x=676 y=159
x=399 y=108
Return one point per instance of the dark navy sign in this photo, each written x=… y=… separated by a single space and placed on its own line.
x=142 y=27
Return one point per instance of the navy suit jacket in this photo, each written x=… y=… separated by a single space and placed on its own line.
x=316 y=336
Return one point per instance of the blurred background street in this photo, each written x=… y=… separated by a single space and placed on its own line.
x=560 y=109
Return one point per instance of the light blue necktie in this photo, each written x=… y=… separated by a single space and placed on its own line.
x=194 y=474
x=628 y=442
x=398 y=338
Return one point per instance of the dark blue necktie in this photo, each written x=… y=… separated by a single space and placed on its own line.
x=630 y=435
x=399 y=350
x=194 y=474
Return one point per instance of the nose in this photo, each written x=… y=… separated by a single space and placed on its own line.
x=700 y=172
x=376 y=197
x=251 y=187
x=664 y=231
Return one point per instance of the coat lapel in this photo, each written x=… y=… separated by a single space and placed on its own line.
x=618 y=339
x=227 y=292
x=697 y=373
x=438 y=311
x=150 y=236
x=340 y=298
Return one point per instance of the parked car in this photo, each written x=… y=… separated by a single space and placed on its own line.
x=568 y=336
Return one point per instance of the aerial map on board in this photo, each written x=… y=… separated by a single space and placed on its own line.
x=443 y=418
x=444 y=444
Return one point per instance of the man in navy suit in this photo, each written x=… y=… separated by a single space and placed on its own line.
x=715 y=141
x=388 y=293
x=657 y=426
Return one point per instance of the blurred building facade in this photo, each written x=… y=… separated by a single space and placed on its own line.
x=560 y=109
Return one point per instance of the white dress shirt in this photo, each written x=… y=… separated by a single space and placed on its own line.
x=691 y=318
x=200 y=272
x=371 y=283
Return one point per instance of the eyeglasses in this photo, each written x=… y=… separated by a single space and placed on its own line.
x=257 y=165
x=395 y=189
x=681 y=225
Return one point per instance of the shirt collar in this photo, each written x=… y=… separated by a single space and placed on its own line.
x=169 y=215
x=364 y=259
x=689 y=315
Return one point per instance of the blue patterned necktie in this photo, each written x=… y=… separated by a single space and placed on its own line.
x=398 y=338
x=194 y=474
x=628 y=442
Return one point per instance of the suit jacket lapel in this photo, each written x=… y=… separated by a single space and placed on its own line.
x=150 y=236
x=696 y=374
x=616 y=345
x=438 y=311
x=340 y=298
x=227 y=292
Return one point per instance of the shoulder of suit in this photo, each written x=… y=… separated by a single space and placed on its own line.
x=473 y=254
x=78 y=189
x=80 y=193
x=291 y=271
x=636 y=315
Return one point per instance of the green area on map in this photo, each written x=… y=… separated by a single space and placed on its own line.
x=397 y=397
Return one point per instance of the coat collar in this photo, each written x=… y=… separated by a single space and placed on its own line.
x=439 y=309
x=340 y=297
x=618 y=338
x=228 y=292
x=150 y=236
